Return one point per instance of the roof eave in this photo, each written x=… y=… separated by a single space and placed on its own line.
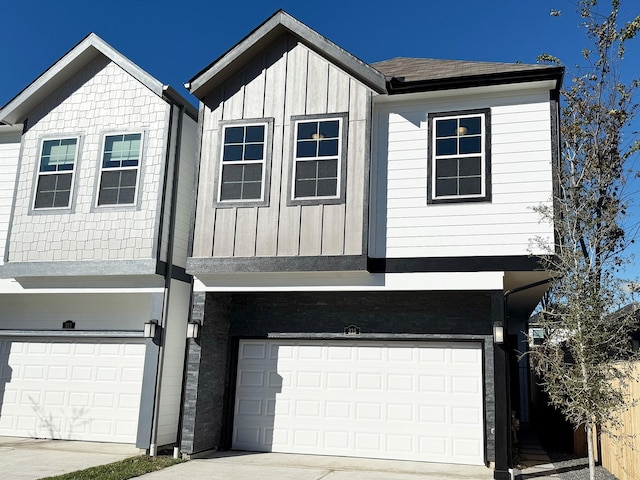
x=68 y=65
x=279 y=23
x=397 y=86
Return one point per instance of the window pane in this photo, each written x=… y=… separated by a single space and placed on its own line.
x=470 y=145
x=328 y=148
x=252 y=191
x=233 y=134
x=305 y=188
x=447 y=168
x=306 y=130
x=253 y=172
x=470 y=186
x=306 y=169
x=446 y=128
x=470 y=166
x=44 y=200
x=61 y=199
x=328 y=169
x=255 y=133
x=253 y=152
x=58 y=155
x=446 y=187
x=232 y=153
x=306 y=149
x=64 y=181
x=327 y=188
x=473 y=125
x=108 y=196
x=128 y=178
x=230 y=191
x=46 y=183
x=330 y=129
x=127 y=195
x=446 y=147
x=232 y=173
x=110 y=179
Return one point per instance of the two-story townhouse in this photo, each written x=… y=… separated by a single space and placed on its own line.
x=362 y=234
x=94 y=223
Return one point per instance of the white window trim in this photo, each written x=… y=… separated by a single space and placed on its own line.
x=483 y=155
x=296 y=159
x=72 y=172
x=222 y=163
x=138 y=168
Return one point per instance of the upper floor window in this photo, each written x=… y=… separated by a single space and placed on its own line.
x=319 y=164
x=55 y=175
x=459 y=157
x=120 y=169
x=243 y=169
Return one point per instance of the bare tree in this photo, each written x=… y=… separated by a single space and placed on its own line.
x=586 y=349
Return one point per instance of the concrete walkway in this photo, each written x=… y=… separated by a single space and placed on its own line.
x=280 y=466
x=535 y=463
x=32 y=459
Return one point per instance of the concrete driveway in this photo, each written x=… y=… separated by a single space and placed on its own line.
x=31 y=459
x=280 y=466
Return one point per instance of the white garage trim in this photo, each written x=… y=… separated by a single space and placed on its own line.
x=72 y=388
x=419 y=401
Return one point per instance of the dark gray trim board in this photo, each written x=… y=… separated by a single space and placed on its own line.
x=207 y=265
x=397 y=86
x=454 y=264
x=148 y=394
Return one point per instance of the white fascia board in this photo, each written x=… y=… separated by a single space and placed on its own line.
x=9 y=286
x=353 y=282
x=71 y=63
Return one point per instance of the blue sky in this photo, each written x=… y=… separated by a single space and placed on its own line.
x=174 y=41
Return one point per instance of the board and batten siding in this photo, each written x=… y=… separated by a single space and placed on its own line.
x=521 y=179
x=101 y=99
x=285 y=80
x=9 y=153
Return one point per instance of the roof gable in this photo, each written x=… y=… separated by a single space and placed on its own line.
x=278 y=24
x=70 y=64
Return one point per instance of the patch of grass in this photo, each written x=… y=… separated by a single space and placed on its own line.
x=122 y=470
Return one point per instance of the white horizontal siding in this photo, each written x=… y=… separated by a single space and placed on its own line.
x=406 y=226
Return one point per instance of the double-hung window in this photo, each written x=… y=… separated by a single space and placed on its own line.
x=459 y=157
x=318 y=159
x=55 y=175
x=120 y=169
x=243 y=174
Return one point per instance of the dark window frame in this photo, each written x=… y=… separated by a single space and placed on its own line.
x=340 y=195
x=485 y=155
x=121 y=169
x=41 y=175
x=266 y=163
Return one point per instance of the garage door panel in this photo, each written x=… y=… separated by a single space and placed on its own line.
x=408 y=401
x=72 y=389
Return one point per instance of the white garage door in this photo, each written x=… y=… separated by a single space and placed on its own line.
x=71 y=389
x=395 y=400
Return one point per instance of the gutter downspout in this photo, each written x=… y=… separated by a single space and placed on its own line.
x=153 y=448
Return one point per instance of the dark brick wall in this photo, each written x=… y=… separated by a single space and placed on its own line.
x=228 y=317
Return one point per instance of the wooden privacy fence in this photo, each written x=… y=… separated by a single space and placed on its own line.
x=622 y=457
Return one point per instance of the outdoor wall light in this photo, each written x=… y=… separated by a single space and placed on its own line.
x=193 y=330
x=150 y=329
x=498 y=333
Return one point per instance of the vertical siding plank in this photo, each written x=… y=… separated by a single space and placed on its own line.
x=254 y=93
x=205 y=214
x=225 y=224
x=296 y=87
x=333 y=230
x=317 y=79
x=357 y=176
x=311 y=230
x=245 y=242
x=337 y=91
x=274 y=100
x=234 y=97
